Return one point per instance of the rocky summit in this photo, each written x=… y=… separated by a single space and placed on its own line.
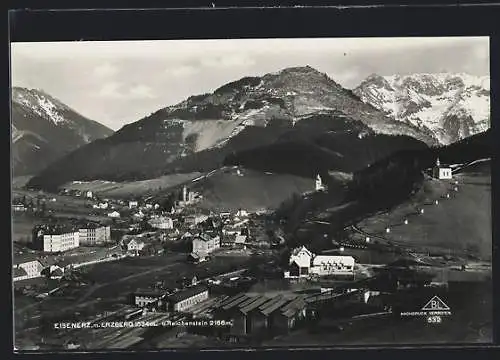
x=451 y=106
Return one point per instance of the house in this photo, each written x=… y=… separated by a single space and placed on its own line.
x=440 y=171
x=94 y=234
x=143 y=297
x=332 y=265
x=184 y=299
x=193 y=220
x=115 y=214
x=89 y=194
x=228 y=240
x=139 y=214
x=26 y=266
x=103 y=205
x=55 y=238
x=161 y=222
x=133 y=244
x=53 y=272
x=205 y=243
x=242 y=213
x=300 y=262
x=304 y=263
x=133 y=204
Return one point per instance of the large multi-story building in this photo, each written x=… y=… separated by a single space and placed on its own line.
x=55 y=238
x=161 y=222
x=26 y=267
x=204 y=244
x=94 y=234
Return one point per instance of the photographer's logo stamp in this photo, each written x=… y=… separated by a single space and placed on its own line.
x=434 y=310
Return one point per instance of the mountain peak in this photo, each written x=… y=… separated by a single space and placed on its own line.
x=451 y=105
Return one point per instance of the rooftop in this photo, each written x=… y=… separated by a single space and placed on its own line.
x=18 y=272
x=149 y=293
x=24 y=258
x=187 y=293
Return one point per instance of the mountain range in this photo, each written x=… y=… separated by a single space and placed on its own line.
x=296 y=121
x=44 y=129
x=199 y=133
x=451 y=106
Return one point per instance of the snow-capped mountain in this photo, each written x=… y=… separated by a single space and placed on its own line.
x=452 y=106
x=248 y=113
x=44 y=129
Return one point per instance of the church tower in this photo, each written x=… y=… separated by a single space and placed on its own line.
x=319 y=183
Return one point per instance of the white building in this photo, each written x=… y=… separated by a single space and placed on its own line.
x=134 y=245
x=114 y=214
x=89 y=194
x=300 y=262
x=441 y=171
x=92 y=235
x=193 y=220
x=161 y=222
x=319 y=183
x=26 y=267
x=58 y=241
x=332 y=265
x=204 y=244
x=304 y=263
x=133 y=204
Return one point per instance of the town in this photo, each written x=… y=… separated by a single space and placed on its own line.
x=204 y=278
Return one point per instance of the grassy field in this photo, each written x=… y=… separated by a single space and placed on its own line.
x=251 y=190
x=132 y=188
x=457 y=223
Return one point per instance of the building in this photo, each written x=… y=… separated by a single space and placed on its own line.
x=261 y=315
x=300 y=262
x=18 y=207
x=162 y=222
x=89 y=194
x=94 y=234
x=26 y=266
x=332 y=265
x=204 y=244
x=133 y=204
x=304 y=263
x=319 y=183
x=133 y=244
x=441 y=171
x=143 y=297
x=114 y=214
x=193 y=220
x=55 y=238
x=184 y=299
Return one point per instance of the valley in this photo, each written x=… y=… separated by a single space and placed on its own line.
x=288 y=208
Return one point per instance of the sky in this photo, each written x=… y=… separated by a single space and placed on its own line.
x=118 y=82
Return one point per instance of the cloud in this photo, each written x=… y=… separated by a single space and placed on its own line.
x=105 y=70
x=229 y=61
x=116 y=90
x=141 y=92
x=110 y=90
x=181 y=71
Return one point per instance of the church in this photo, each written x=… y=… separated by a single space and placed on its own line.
x=319 y=184
x=441 y=171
